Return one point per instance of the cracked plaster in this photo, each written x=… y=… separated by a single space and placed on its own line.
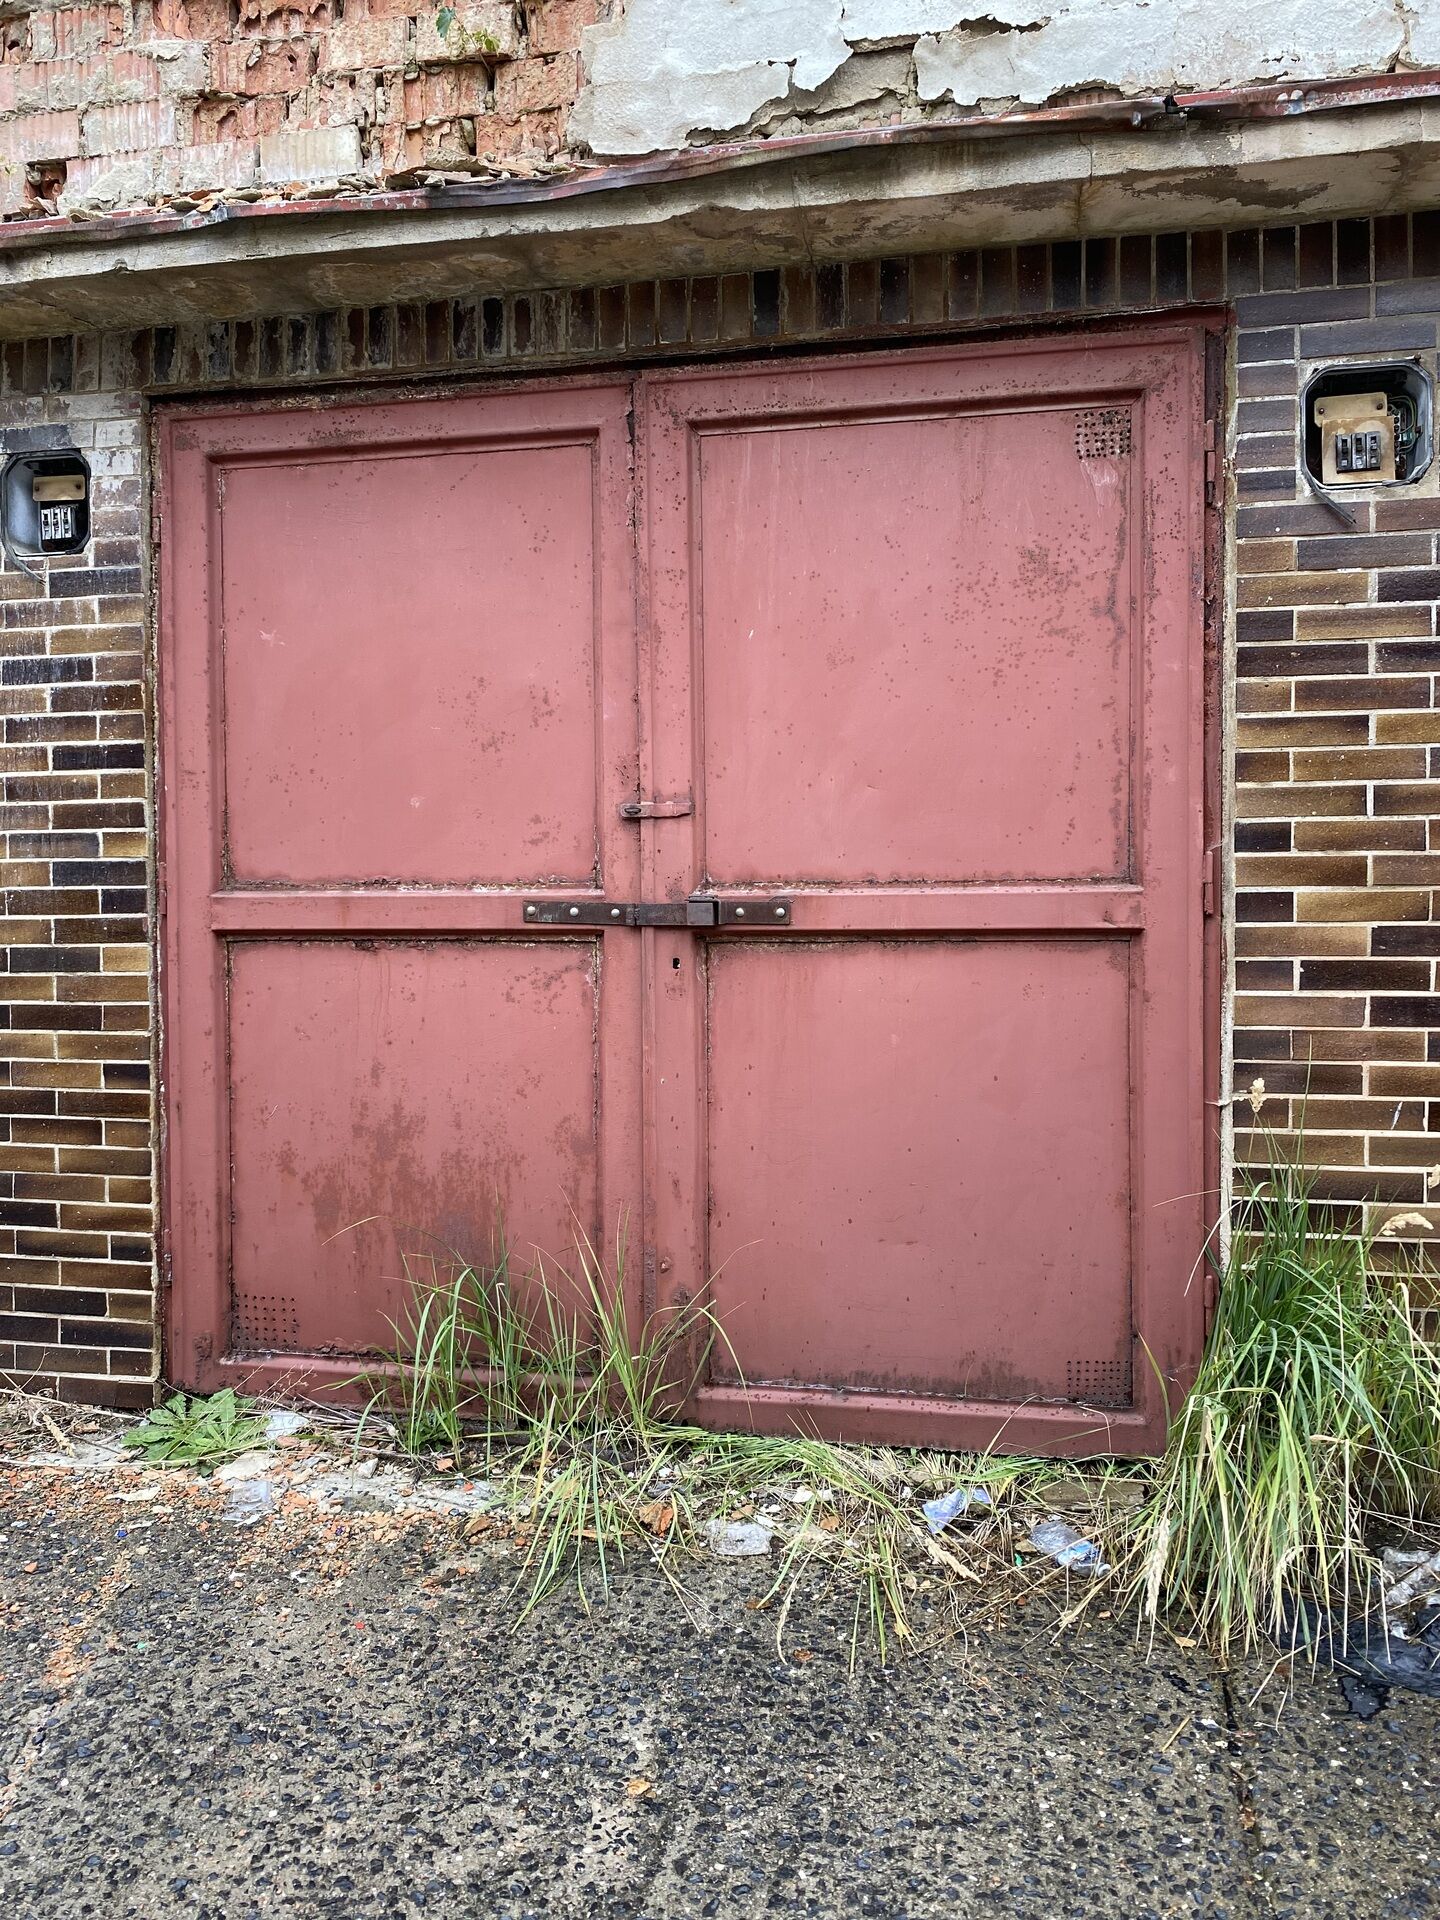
x=658 y=78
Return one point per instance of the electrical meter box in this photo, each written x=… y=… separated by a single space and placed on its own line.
x=45 y=502
x=1367 y=426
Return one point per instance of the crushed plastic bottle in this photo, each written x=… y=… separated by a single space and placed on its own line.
x=1067 y=1548
x=954 y=1506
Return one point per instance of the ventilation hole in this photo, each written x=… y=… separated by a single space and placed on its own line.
x=1102 y=433
x=266 y=1323
x=1098 y=1383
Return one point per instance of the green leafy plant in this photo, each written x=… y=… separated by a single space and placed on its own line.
x=1314 y=1417
x=197 y=1432
x=471 y=42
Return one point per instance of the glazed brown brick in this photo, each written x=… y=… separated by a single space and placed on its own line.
x=1343 y=836
x=1365 y=904
x=1306 y=589
x=1300 y=941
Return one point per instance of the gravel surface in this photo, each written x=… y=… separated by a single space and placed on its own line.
x=337 y=1715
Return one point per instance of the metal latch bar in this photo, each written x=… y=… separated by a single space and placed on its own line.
x=677 y=809
x=700 y=910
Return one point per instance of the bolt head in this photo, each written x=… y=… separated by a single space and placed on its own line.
x=574 y=913
x=739 y=913
x=779 y=913
x=530 y=912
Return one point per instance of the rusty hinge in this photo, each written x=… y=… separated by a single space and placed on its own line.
x=700 y=910
x=1209 y=874
x=1212 y=474
x=676 y=809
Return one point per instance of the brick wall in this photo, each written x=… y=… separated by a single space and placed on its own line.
x=1336 y=933
x=105 y=106
x=76 y=1036
x=1337 y=850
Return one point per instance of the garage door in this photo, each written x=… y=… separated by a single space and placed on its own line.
x=761 y=806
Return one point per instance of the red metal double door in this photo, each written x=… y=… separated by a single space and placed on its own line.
x=877 y=683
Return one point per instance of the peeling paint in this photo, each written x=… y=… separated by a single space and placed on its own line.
x=657 y=75
x=1136 y=46
x=658 y=78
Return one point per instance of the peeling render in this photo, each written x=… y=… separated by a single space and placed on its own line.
x=659 y=77
x=1139 y=46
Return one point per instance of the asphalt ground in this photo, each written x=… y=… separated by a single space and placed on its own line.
x=340 y=1716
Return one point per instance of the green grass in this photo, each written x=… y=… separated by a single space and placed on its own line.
x=1314 y=1420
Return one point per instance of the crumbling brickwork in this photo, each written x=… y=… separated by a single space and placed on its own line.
x=109 y=106
x=1335 y=932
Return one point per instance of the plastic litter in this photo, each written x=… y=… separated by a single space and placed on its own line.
x=736 y=1539
x=253 y=1465
x=1368 y=1658
x=955 y=1505
x=1067 y=1548
x=283 y=1424
x=249 y=1502
x=1420 y=1582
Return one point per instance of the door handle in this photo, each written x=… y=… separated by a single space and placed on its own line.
x=700 y=910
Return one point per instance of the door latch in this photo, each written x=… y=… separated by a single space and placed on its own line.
x=679 y=808
x=700 y=910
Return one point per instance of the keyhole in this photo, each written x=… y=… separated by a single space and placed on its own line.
x=675 y=963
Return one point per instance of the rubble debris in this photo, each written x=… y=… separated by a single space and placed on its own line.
x=736 y=1539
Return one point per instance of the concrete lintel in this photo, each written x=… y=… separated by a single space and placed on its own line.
x=768 y=210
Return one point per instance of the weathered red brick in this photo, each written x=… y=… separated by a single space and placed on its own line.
x=533 y=86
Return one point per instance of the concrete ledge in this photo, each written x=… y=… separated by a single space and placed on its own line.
x=1140 y=166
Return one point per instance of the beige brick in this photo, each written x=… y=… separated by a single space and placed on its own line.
x=1362 y=623
x=310 y=153
x=1361 y=763
x=1278 y=940
x=1264 y=696
x=1256 y=1010
x=1370 y=904
x=1264 y=556
x=1304 y=730
x=1395 y=727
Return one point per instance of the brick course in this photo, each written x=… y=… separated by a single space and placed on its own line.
x=1336 y=850
x=103 y=107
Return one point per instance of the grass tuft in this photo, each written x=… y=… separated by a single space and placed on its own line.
x=1313 y=1422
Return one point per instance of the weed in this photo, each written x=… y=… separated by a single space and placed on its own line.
x=1316 y=1411
x=1315 y=1414
x=197 y=1432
